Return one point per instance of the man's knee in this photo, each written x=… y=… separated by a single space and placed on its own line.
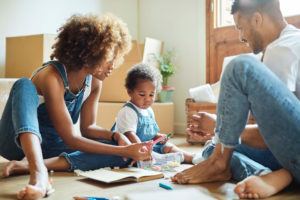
x=241 y=65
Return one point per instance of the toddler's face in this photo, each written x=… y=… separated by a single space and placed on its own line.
x=143 y=95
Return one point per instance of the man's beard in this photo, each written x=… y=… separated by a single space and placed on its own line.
x=257 y=42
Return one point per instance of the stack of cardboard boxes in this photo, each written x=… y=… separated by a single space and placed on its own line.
x=25 y=53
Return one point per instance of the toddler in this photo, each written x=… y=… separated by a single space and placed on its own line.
x=136 y=120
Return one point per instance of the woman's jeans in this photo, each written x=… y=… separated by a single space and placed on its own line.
x=248 y=85
x=20 y=116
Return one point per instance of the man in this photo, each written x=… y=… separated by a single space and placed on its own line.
x=250 y=85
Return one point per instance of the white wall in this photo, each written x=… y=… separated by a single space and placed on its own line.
x=126 y=9
x=181 y=25
x=29 y=17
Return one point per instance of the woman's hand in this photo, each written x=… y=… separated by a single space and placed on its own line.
x=139 y=151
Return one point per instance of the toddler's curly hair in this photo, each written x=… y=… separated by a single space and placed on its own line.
x=89 y=40
x=143 y=72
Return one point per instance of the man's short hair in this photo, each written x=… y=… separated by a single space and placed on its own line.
x=270 y=7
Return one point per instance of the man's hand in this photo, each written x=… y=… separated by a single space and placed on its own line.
x=202 y=126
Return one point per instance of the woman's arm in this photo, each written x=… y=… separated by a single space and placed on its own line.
x=88 y=118
x=51 y=87
x=88 y=115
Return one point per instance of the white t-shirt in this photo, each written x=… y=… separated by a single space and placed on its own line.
x=127 y=118
x=282 y=56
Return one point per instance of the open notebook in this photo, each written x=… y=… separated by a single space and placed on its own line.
x=119 y=175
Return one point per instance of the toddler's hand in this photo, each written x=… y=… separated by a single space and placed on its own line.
x=161 y=137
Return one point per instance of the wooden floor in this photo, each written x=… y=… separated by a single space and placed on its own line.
x=68 y=185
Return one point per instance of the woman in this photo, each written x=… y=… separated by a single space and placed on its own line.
x=39 y=117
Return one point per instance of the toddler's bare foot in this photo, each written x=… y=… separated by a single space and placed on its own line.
x=15 y=167
x=171 y=148
x=38 y=186
x=206 y=171
x=255 y=187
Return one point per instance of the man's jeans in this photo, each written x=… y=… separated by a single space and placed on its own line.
x=248 y=85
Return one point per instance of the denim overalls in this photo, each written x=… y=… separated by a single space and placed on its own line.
x=24 y=113
x=147 y=128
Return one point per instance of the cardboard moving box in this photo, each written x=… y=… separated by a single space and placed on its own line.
x=24 y=54
x=164 y=115
x=113 y=89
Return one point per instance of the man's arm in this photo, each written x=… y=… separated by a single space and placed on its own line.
x=203 y=125
x=252 y=137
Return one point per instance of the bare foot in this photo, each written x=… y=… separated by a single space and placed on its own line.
x=38 y=186
x=31 y=192
x=264 y=186
x=15 y=167
x=206 y=171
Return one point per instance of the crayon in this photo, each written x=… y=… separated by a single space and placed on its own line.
x=165 y=186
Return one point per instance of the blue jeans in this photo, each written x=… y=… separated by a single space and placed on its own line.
x=248 y=85
x=20 y=115
x=89 y=161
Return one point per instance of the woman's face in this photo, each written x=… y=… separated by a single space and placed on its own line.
x=102 y=71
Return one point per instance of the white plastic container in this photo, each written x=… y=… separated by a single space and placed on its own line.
x=162 y=160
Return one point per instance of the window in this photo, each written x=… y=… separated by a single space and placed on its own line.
x=224 y=18
x=289 y=7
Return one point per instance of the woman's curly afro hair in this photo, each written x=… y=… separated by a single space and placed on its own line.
x=89 y=40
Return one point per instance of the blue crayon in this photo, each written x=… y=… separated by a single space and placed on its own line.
x=96 y=198
x=90 y=198
x=165 y=186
